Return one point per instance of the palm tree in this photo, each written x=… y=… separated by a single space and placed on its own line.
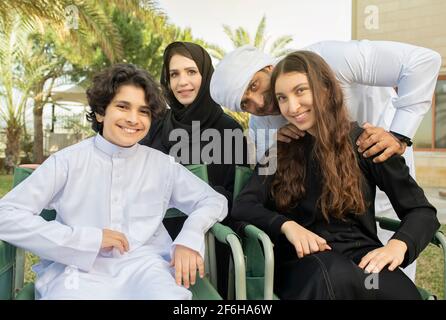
x=42 y=66
x=43 y=9
x=89 y=16
x=79 y=47
x=48 y=50
x=13 y=40
x=25 y=67
x=240 y=37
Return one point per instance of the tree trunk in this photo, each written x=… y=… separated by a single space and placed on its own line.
x=12 y=151
x=38 y=132
x=39 y=102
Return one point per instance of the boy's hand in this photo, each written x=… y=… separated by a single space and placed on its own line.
x=378 y=139
x=289 y=132
x=392 y=253
x=186 y=262
x=114 y=239
x=304 y=241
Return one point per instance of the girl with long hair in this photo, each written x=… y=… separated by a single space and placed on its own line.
x=318 y=207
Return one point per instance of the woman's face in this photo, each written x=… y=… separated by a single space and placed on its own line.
x=184 y=79
x=296 y=100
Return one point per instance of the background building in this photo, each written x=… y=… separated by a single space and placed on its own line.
x=422 y=23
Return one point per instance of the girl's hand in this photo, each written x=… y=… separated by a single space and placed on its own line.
x=392 y=253
x=289 y=132
x=186 y=262
x=305 y=242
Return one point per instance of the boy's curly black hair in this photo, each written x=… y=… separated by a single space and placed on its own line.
x=107 y=82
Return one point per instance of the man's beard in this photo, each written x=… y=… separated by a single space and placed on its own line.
x=269 y=107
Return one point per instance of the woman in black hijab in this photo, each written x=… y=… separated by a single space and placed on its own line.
x=185 y=78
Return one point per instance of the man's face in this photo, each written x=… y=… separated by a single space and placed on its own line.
x=257 y=98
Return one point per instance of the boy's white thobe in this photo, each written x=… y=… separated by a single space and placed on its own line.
x=96 y=185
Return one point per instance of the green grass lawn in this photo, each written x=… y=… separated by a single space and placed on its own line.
x=429 y=268
x=430 y=272
x=5 y=184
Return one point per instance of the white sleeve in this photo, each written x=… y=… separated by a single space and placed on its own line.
x=414 y=70
x=253 y=135
x=200 y=202
x=22 y=226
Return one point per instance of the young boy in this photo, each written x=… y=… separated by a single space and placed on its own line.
x=110 y=194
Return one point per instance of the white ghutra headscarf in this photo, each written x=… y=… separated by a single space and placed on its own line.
x=233 y=74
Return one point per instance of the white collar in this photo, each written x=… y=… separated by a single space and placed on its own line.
x=112 y=149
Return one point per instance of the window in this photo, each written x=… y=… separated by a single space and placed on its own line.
x=431 y=135
x=440 y=114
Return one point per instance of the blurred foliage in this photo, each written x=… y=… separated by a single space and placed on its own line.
x=240 y=37
x=38 y=50
x=241 y=117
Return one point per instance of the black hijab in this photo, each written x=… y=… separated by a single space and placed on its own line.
x=202 y=109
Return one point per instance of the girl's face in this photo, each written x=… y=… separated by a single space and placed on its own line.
x=296 y=100
x=184 y=79
x=127 y=118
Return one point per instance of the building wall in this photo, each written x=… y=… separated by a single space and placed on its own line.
x=419 y=22
x=431 y=168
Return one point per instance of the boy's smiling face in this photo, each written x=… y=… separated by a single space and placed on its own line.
x=127 y=118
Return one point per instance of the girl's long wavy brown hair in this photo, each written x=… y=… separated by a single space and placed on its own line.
x=333 y=151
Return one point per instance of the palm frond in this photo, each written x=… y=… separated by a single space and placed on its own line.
x=215 y=51
x=14 y=36
x=242 y=37
x=95 y=20
x=44 y=9
x=138 y=6
x=228 y=31
x=279 y=45
x=260 y=33
x=241 y=117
